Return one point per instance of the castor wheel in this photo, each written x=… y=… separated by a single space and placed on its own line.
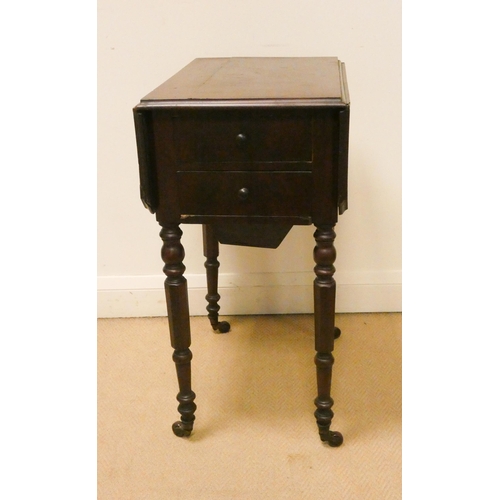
x=336 y=332
x=179 y=430
x=333 y=438
x=222 y=327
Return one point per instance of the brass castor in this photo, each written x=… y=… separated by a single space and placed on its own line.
x=222 y=327
x=180 y=430
x=333 y=438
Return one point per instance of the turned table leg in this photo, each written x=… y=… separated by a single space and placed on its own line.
x=325 y=331
x=176 y=294
x=211 y=252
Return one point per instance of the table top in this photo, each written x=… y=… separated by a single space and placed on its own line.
x=264 y=81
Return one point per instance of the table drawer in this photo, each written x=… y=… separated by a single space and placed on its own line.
x=254 y=136
x=245 y=193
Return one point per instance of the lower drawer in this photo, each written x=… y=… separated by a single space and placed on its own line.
x=245 y=193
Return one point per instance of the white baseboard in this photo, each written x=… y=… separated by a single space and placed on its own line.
x=256 y=293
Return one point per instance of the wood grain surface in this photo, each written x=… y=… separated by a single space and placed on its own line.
x=253 y=78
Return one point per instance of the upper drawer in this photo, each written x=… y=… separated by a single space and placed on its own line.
x=232 y=136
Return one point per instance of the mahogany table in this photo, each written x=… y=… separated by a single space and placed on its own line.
x=247 y=147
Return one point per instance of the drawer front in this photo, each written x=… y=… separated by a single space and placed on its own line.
x=245 y=193
x=253 y=136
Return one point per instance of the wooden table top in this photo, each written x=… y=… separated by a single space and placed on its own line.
x=313 y=81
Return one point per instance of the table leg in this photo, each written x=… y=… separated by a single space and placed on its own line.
x=325 y=332
x=176 y=294
x=211 y=252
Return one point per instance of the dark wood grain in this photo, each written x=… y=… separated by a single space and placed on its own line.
x=324 y=328
x=178 y=318
x=235 y=136
x=211 y=252
x=343 y=153
x=147 y=169
x=247 y=147
x=325 y=170
x=239 y=78
x=164 y=161
x=295 y=220
x=269 y=193
x=244 y=232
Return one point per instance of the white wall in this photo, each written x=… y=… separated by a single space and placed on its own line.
x=141 y=43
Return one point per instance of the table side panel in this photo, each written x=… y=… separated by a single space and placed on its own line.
x=164 y=147
x=343 y=145
x=146 y=157
x=325 y=168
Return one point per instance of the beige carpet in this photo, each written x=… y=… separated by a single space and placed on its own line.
x=255 y=435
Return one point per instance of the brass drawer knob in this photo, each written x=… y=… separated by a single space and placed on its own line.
x=243 y=194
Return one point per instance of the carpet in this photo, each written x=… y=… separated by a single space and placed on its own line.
x=255 y=436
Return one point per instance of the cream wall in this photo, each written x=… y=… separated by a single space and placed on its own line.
x=142 y=43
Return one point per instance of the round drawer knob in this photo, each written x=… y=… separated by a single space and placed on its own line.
x=241 y=139
x=243 y=194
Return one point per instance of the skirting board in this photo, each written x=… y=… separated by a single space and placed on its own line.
x=259 y=293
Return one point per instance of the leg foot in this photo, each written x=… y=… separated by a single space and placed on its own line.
x=222 y=327
x=333 y=438
x=336 y=333
x=211 y=251
x=180 y=430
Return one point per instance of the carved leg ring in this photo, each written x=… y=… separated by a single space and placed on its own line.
x=325 y=331
x=178 y=317
x=211 y=252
